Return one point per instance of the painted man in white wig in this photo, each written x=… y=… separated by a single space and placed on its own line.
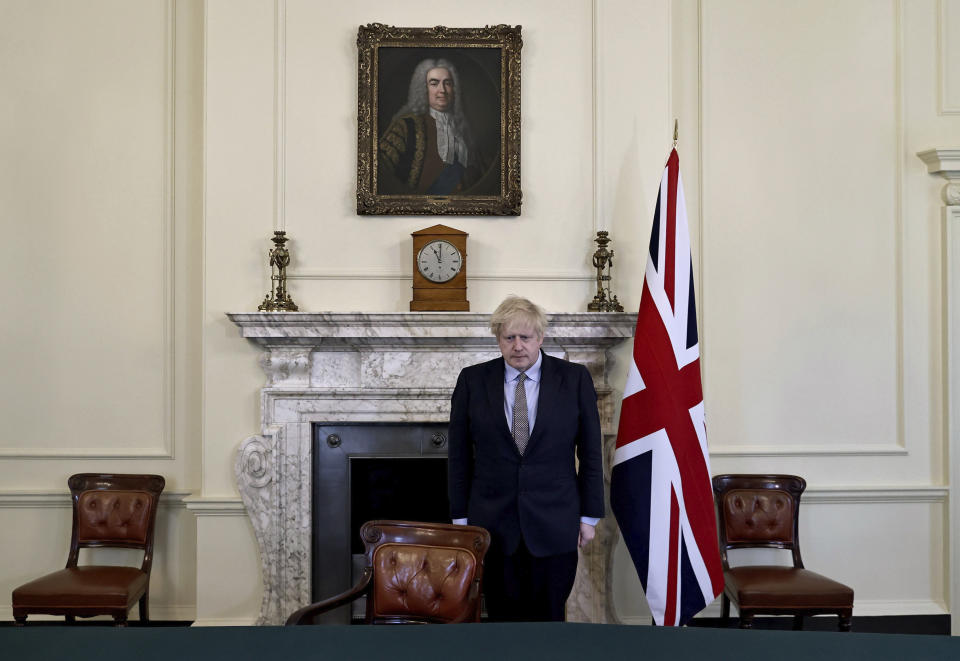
x=428 y=148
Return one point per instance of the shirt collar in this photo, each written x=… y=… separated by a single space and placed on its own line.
x=532 y=372
x=440 y=116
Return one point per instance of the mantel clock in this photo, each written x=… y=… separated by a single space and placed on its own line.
x=439 y=270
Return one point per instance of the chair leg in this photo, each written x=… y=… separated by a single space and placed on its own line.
x=746 y=620
x=70 y=619
x=21 y=620
x=725 y=609
x=798 y=622
x=120 y=620
x=844 y=624
x=145 y=607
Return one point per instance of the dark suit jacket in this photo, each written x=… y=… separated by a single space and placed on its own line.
x=542 y=494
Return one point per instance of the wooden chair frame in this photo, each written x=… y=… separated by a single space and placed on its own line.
x=79 y=484
x=794 y=486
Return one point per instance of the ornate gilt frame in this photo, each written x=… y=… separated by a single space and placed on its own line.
x=371 y=38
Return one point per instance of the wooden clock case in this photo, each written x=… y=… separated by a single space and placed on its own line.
x=449 y=296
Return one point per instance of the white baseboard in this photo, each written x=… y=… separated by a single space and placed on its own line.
x=158 y=613
x=637 y=620
x=899 y=607
x=170 y=613
x=862 y=608
x=225 y=622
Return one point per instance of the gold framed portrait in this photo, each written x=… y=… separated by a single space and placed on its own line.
x=439 y=121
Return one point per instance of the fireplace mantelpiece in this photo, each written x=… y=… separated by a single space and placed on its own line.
x=389 y=367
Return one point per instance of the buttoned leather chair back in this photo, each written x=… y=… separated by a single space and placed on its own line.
x=761 y=516
x=763 y=511
x=109 y=510
x=415 y=573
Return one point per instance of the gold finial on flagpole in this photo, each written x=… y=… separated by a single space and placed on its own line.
x=676 y=132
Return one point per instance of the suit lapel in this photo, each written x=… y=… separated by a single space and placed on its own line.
x=494 y=383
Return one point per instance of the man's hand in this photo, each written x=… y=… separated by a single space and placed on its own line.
x=587 y=532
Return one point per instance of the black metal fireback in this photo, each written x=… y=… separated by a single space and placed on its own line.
x=370 y=471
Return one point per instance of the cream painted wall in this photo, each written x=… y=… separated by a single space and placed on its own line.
x=100 y=188
x=550 y=242
x=544 y=253
x=88 y=200
x=820 y=275
x=816 y=237
x=42 y=522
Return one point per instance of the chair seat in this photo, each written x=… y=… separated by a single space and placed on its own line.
x=784 y=588
x=89 y=586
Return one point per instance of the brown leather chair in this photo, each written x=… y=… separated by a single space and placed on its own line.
x=108 y=511
x=416 y=573
x=762 y=511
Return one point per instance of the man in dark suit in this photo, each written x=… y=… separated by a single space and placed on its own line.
x=517 y=426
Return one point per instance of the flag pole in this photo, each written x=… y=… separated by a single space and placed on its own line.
x=661 y=454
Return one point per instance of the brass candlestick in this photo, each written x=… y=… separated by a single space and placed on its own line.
x=278 y=300
x=604 y=301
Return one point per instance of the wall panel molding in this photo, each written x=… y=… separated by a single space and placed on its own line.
x=948 y=99
x=165 y=452
x=233 y=506
x=58 y=499
x=900 y=235
x=811 y=450
x=168 y=228
x=899 y=139
x=393 y=274
x=164 y=449
x=599 y=220
x=847 y=495
x=216 y=506
x=280 y=115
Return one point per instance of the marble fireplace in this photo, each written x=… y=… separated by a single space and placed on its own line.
x=344 y=368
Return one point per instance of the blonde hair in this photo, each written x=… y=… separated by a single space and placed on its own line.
x=516 y=310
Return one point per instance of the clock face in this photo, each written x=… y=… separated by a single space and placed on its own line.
x=439 y=261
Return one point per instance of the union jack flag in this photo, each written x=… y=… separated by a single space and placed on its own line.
x=660 y=487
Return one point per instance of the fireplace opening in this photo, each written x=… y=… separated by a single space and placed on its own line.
x=406 y=488
x=366 y=471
